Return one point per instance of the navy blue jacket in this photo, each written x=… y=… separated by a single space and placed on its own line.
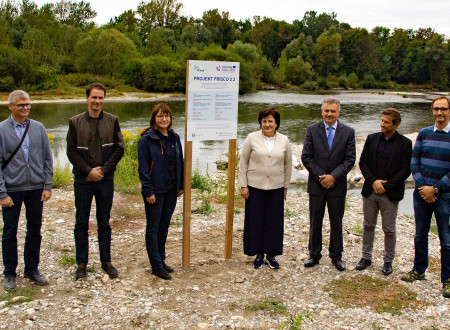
x=153 y=163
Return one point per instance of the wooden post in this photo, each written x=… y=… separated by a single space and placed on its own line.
x=230 y=198
x=186 y=255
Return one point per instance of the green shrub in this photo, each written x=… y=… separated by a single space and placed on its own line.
x=126 y=177
x=353 y=80
x=62 y=176
x=310 y=85
x=343 y=82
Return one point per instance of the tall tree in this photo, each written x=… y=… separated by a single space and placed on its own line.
x=78 y=14
x=327 y=53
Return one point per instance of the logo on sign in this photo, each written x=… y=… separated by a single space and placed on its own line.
x=198 y=69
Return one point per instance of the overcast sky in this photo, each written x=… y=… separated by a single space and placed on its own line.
x=358 y=13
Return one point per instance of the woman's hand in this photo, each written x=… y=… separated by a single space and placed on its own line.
x=180 y=192
x=244 y=192
x=151 y=199
x=285 y=193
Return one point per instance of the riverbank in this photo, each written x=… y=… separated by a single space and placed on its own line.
x=217 y=293
x=118 y=96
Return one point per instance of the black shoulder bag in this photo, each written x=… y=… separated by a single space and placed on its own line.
x=18 y=147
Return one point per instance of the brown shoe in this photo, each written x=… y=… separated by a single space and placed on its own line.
x=110 y=270
x=80 y=272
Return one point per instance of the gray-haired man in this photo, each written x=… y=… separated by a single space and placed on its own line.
x=25 y=178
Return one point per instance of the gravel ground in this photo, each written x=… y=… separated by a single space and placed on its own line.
x=212 y=292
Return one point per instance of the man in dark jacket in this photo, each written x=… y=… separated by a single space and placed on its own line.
x=384 y=164
x=94 y=147
x=328 y=155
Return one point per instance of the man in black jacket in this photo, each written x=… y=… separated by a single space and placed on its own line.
x=94 y=147
x=384 y=164
x=328 y=155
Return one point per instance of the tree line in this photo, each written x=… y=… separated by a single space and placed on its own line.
x=57 y=45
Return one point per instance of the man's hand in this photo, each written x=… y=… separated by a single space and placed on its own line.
x=96 y=174
x=285 y=193
x=327 y=181
x=427 y=193
x=6 y=202
x=378 y=187
x=244 y=192
x=46 y=195
x=180 y=192
x=151 y=199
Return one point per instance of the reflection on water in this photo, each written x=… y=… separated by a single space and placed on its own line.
x=362 y=111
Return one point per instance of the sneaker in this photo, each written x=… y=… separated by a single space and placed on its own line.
x=9 y=283
x=80 y=272
x=258 y=261
x=270 y=260
x=110 y=270
x=446 y=289
x=413 y=276
x=162 y=273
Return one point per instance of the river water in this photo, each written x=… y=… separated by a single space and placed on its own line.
x=361 y=110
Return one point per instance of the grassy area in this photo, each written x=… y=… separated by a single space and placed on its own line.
x=19 y=295
x=67 y=259
x=380 y=295
x=295 y=322
x=62 y=175
x=267 y=305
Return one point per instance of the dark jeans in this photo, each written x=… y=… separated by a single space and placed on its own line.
x=423 y=212
x=103 y=191
x=336 y=207
x=33 y=213
x=158 y=220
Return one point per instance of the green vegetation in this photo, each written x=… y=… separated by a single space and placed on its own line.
x=62 y=176
x=267 y=305
x=295 y=322
x=201 y=182
x=381 y=295
x=205 y=208
x=67 y=259
x=91 y=269
x=19 y=295
x=57 y=47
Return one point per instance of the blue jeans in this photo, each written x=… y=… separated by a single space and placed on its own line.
x=423 y=212
x=103 y=191
x=33 y=213
x=158 y=220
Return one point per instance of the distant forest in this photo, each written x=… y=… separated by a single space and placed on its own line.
x=58 y=46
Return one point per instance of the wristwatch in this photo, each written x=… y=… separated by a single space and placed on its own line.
x=436 y=190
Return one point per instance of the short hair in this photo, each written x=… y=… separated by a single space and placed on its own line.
x=164 y=108
x=17 y=94
x=272 y=111
x=96 y=85
x=396 y=118
x=440 y=98
x=332 y=100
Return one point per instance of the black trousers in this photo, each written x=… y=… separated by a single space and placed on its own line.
x=264 y=222
x=336 y=207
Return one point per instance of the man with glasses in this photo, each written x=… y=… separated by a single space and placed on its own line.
x=430 y=166
x=26 y=174
x=94 y=147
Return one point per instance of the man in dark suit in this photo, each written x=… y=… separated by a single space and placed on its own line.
x=384 y=164
x=328 y=155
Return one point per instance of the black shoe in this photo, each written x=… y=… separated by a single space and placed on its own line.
x=9 y=283
x=80 y=272
x=258 y=261
x=110 y=270
x=387 y=268
x=167 y=268
x=162 y=273
x=339 y=264
x=270 y=260
x=36 y=278
x=363 y=264
x=311 y=262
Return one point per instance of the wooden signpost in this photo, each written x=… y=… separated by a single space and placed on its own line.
x=212 y=91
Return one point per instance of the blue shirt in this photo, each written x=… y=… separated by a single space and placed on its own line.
x=20 y=130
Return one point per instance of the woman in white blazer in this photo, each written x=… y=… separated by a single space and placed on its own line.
x=264 y=175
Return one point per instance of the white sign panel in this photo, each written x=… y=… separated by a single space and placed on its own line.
x=213 y=91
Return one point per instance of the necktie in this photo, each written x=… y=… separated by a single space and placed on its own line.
x=330 y=136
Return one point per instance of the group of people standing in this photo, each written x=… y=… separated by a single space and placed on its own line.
x=95 y=146
x=329 y=154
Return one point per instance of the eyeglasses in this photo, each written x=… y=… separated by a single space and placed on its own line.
x=23 y=105
x=166 y=115
x=440 y=109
